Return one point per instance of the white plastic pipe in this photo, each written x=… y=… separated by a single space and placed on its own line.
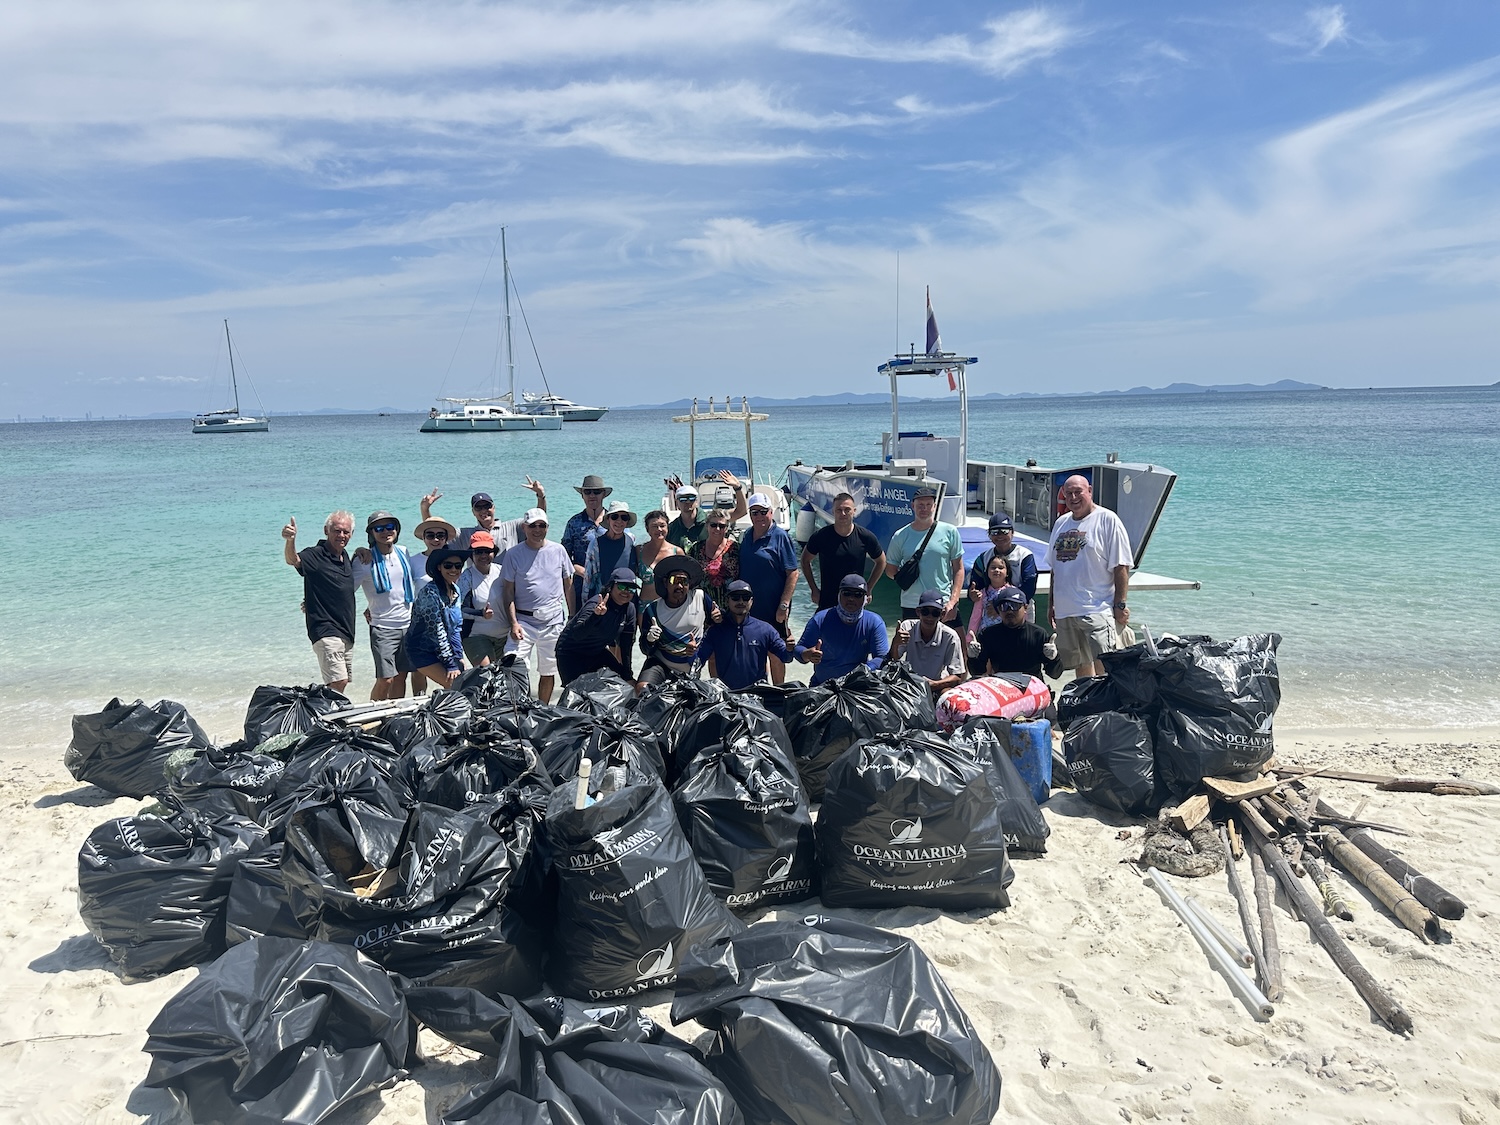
x=1240 y=984
x=581 y=793
x=1231 y=944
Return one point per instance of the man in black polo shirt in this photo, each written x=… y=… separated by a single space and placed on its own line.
x=327 y=595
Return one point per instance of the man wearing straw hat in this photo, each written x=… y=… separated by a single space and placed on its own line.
x=581 y=527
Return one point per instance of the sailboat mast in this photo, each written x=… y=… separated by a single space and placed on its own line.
x=510 y=357
x=233 y=381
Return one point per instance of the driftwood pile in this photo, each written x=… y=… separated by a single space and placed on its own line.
x=1290 y=833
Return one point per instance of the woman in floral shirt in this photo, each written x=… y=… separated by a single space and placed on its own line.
x=719 y=555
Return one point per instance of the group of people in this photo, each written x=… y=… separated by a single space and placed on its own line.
x=691 y=594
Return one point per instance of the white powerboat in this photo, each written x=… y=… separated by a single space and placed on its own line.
x=712 y=491
x=498 y=412
x=533 y=403
x=231 y=421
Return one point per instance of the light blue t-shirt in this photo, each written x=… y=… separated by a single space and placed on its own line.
x=937 y=561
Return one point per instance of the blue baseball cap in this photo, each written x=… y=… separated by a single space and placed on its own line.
x=624 y=576
x=933 y=598
x=1001 y=522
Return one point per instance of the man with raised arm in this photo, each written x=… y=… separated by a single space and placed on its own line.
x=327 y=594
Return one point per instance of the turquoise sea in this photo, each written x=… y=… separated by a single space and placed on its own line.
x=1361 y=525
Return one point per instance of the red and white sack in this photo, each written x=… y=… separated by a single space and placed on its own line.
x=1017 y=697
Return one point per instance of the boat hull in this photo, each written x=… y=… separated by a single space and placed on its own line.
x=232 y=426
x=459 y=424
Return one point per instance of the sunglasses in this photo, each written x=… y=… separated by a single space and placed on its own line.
x=386 y=527
x=999 y=531
x=687 y=500
x=740 y=597
x=760 y=511
x=593 y=492
x=484 y=550
x=719 y=526
x=851 y=593
x=434 y=535
x=451 y=564
x=630 y=587
x=620 y=516
x=928 y=611
x=483 y=507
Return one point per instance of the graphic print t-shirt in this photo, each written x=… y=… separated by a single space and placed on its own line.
x=1082 y=555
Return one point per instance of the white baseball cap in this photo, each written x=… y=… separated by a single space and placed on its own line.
x=534 y=515
x=758 y=500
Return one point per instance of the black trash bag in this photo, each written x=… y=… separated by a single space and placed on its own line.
x=909 y=695
x=987 y=739
x=1191 y=747
x=746 y=818
x=1110 y=761
x=535 y=721
x=289 y=710
x=328 y=746
x=517 y=812
x=725 y=720
x=631 y=897
x=834 y=716
x=280 y=1031
x=1092 y=695
x=442 y=712
x=830 y=1022
x=664 y=707
x=412 y=767
x=1135 y=670
x=603 y=739
x=433 y=908
x=475 y=768
x=1238 y=677
x=599 y=693
x=560 y=1062
x=908 y=820
x=497 y=683
x=782 y=700
x=152 y=889
x=124 y=748
x=224 y=780
x=257 y=905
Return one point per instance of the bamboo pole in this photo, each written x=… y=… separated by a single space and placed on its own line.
x=1430 y=894
x=1389 y=1012
x=1407 y=910
x=1252 y=817
x=1334 y=901
x=1270 y=963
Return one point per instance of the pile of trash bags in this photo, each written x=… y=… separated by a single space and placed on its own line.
x=343 y=878
x=1169 y=714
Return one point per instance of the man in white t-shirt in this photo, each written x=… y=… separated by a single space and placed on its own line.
x=388 y=576
x=1090 y=560
x=535 y=598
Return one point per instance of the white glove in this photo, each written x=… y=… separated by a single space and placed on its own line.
x=1049 y=651
x=974 y=647
x=653 y=634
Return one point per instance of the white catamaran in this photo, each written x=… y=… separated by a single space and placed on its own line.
x=231 y=421
x=497 y=412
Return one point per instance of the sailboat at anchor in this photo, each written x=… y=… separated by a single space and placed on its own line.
x=231 y=421
x=497 y=412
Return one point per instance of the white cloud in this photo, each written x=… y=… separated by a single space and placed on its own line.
x=1010 y=43
x=1319 y=28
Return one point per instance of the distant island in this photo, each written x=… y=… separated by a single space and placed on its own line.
x=877 y=397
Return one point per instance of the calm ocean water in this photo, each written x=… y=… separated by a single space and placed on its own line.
x=1358 y=524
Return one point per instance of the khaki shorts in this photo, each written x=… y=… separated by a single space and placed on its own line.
x=1080 y=640
x=542 y=639
x=335 y=659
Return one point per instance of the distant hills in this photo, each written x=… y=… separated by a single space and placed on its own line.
x=877 y=397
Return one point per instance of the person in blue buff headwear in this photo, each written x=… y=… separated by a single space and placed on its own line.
x=768 y=561
x=839 y=639
x=602 y=631
x=738 y=648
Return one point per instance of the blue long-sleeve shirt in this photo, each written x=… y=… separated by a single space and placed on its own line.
x=433 y=637
x=844 y=646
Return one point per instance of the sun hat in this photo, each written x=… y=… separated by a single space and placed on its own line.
x=435 y=521
x=593 y=480
x=436 y=560
x=616 y=508
x=678 y=564
x=381 y=517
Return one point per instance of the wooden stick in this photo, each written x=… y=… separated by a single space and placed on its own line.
x=1273 y=810
x=1241 y=899
x=1293 y=849
x=1430 y=894
x=1389 y=1012
x=1407 y=910
x=1450 y=786
x=1270 y=963
x=1252 y=816
x=1236 y=848
x=1334 y=901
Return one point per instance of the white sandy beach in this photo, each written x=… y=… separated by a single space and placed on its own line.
x=1096 y=1004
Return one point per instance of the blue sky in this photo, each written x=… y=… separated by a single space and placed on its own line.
x=712 y=196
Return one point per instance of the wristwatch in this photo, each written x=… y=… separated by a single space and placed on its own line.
x=1119 y=605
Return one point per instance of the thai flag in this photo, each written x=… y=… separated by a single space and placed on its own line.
x=935 y=339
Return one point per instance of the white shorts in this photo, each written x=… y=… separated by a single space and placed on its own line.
x=542 y=638
x=335 y=659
